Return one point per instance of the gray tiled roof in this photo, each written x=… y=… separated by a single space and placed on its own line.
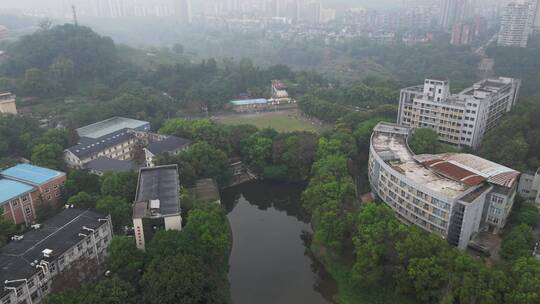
x=59 y=234
x=169 y=144
x=88 y=146
x=103 y=164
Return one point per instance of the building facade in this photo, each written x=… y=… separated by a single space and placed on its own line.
x=8 y=104
x=24 y=187
x=157 y=203
x=116 y=138
x=529 y=186
x=61 y=253
x=460 y=119
x=452 y=195
x=452 y=12
x=517 y=24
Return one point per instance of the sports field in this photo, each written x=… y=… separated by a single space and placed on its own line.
x=283 y=121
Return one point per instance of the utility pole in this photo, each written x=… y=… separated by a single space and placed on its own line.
x=74 y=15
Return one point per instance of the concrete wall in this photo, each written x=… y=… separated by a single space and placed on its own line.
x=173 y=223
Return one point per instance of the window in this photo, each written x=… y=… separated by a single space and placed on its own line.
x=15 y=203
x=28 y=211
x=19 y=291
x=25 y=198
x=47 y=190
x=55 y=186
x=44 y=288
x=41 y=275
x=31 y=283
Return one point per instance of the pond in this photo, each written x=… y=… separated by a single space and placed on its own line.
x=270 y=262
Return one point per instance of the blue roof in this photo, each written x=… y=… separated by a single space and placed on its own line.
x=244 y=102
x=31 y=174
x=11 y=189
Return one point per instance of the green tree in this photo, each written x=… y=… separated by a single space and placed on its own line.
x=120 y=184
x=374 y=240
x=429 y=277
x=7 y=229
x=425 y=141
x=517 y=243
x=185 y=278
x=109 y=291
x=524 y=285
x=83 y=200
x=119 y=209
x=82 y=181
x=207 y=236
x=124 y=259
x=47 y=155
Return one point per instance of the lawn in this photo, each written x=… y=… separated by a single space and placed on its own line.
x=280 y=121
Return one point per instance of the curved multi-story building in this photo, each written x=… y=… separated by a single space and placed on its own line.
x=453 y=195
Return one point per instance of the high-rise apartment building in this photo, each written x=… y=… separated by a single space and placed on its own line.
x=182 y=10
x=453 y=195
x=452 y=12
x=537 y=17
x=517 y=24
x=460 y=119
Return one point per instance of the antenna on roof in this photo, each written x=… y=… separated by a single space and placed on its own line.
x=74 y=15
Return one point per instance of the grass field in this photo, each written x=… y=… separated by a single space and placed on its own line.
x=281 y=121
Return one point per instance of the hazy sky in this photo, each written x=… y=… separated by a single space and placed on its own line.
x=51 y=4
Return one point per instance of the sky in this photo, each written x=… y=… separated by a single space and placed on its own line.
x=48 y=3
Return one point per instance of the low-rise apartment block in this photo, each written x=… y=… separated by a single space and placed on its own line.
x=453 y=195
x=63 y=252
x=171 y=145
x=460 y=119
x=24 y=187
x=157 y=203
x=112 y=144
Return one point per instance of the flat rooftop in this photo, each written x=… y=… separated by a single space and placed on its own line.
x=158 y=183
x=59 y=234
x=393 y=148
x=207 y=190
x=108 y=126
x=245 y=102
x=31 y=174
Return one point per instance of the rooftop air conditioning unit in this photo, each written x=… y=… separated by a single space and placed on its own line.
x=47 y=253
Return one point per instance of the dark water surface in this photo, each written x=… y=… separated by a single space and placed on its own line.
x=270 y=262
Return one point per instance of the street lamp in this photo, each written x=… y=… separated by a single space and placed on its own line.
x=28 y=297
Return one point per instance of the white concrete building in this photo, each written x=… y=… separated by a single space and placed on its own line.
x=529 y=186
x=157 y=203
x=7 y=104
x=452 y=195
x=63 y=252
x=460 y=119
x=517 y=24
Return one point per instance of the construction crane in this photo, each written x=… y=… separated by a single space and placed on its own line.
x=74 y=15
